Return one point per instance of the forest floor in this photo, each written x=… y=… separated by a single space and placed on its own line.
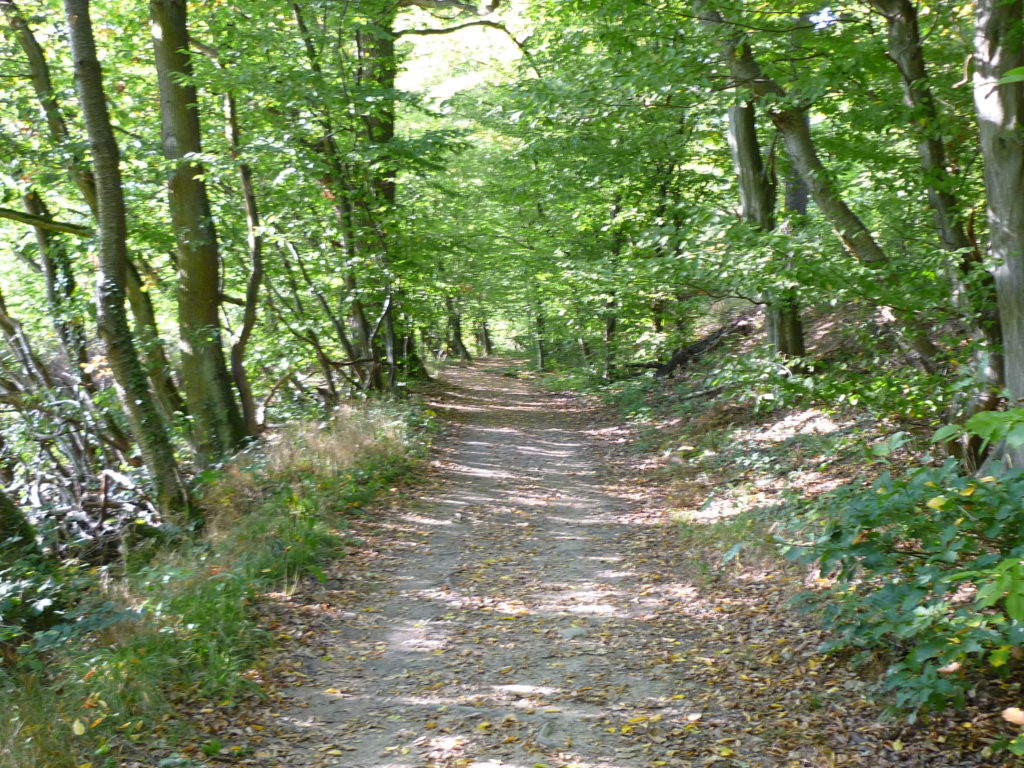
x=530 y=605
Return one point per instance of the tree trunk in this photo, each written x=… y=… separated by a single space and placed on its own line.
x=789 y=328
x=1000 y=110
x=611 y=324
x=252 y=285
x=757 y=188
x=410 y=362
x=539 y=341
x=790 y=118
x=455 y=325
x=157 y=365
x=145 y=420
x=979 y=304
x=218 y=425
x=486 y=345
x=757 y=207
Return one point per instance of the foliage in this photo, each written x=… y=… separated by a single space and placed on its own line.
x=96 y=658
x=924 y=569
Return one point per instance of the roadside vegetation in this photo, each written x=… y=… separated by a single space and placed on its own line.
x=840 y=491
x=99 y=658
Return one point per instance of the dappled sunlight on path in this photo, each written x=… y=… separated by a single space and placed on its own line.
x=523 y=614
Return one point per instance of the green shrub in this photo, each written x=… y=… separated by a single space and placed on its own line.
x=927 y=568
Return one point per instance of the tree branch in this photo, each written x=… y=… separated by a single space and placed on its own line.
x=437 y=5
x=456 y=28
x=44 y=223
x=478 y=23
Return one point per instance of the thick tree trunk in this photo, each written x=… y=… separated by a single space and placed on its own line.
x=757 y=207
x=145 y=420
x=1000 y=109
x=217 y=421
x=979 y=304
x=375 y=43
x=757 y=188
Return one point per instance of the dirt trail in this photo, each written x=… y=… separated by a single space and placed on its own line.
x=522 y=619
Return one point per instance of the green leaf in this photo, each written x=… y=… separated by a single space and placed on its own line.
x=1015 y=75
x=1017 y=745
x=947 y=432
x=1015 y=605
x=1015 y=437
x=987 y=424
x=999 y=656
x=928 y=650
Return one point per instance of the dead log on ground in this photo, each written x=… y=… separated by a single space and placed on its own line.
x=688 y=354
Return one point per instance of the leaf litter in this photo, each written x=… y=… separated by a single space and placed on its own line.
x=529 y=605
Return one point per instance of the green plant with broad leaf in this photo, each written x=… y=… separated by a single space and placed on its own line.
x=925 y=569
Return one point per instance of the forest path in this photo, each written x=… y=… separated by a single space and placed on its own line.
x=524 y=615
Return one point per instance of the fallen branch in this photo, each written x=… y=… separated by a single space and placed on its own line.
x=702 y=393
x=686 y=355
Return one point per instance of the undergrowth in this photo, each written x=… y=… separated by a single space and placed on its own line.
x=99 y=658
x=915 y=568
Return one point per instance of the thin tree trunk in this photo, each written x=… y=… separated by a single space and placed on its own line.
x=791 y=121
x=786 y=310
x=60 y=290
x=252 y=286
x=145 y=420
x=485 y=339
x=538 y=339
x=455 y=326
x=611 y=323
x=218 y=424
x=157 y=365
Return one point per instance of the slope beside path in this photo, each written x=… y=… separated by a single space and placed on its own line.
x=523 y=610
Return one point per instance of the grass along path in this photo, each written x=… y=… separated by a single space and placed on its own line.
x=532 y=607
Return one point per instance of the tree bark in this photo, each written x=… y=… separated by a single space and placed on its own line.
x=791 y=121
x=157 y=365
x=998 y=48
x=455 y=325
x=484 y=335
x=252 y=285
x=539 y=340
x=757 y=207
x=145 y=420
x=978 y=303
x=789 y=327
x=218 y=425
x=611 y=326
x=757 y=189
